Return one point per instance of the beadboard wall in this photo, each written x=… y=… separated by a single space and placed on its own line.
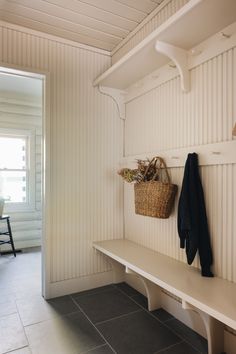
x=156 y=18
x=166 y=118
x=25 y=112
x=86 y=201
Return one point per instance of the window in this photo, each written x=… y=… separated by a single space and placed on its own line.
x=17 y=169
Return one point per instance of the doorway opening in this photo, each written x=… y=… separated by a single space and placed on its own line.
x=22 y=182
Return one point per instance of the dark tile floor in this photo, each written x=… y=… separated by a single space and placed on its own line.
x=110 y=319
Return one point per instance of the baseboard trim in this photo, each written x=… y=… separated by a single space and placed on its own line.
x=75 y=285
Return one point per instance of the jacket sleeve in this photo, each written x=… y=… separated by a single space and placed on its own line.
x=183 y=222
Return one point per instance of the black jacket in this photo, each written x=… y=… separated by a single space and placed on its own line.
x=192 y=220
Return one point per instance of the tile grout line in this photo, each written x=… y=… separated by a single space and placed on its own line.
x=117 y=317
x=52 y=318
x=171 y=346
x=172 y=330
x=178 y=335
x=124 y=315
x=27 y=340
x=90 y=350
x=14 y=350
x=93 y=325
x=93 y=293
x=184 y=339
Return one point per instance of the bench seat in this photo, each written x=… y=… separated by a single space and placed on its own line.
x=213 y=298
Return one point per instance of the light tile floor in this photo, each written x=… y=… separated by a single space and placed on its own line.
x=110 y=319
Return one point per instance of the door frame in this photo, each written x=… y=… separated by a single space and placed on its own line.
x=46 y=185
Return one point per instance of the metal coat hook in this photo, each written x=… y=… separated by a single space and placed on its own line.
x=175 y=157
x=138 y=84
x=155 y=77
x=195 y=52
x=224 y=35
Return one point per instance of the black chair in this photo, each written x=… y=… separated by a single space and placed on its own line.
x=8 y=233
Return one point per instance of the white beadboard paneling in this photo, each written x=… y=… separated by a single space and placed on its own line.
x=165 y=118
x=85 y=145
x=203 y=116
x=134 y=38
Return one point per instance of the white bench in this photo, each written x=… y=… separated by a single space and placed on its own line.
x=214 y=299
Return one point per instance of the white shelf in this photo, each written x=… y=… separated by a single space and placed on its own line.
x=192 y=24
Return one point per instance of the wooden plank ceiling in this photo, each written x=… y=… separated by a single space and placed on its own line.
x=98 y=23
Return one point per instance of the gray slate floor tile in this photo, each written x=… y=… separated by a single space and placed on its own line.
x=128 y=290
x=93 y=291
x=70 y=334
x=141 y=300
x=105 y=349
x=162 y=315
x=189 y=335
x=12 y=335
x=63 y=305
x=37 y=309
x=181 y=348
x=58 y=326
x=137 y=333
x=106 y=305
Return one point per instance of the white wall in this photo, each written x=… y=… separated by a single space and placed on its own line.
x=25 y=112
x=86 y=145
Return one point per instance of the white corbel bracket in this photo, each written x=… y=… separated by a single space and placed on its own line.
x=214 y=329
x=153 y=291
x=118 y=96
x=180 y=58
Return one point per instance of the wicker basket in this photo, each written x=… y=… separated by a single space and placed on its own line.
x=155 y=198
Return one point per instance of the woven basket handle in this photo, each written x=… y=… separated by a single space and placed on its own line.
x=162 y=165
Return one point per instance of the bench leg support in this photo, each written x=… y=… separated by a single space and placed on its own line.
x=214 y=329
x=152 y=290
x=118 y=271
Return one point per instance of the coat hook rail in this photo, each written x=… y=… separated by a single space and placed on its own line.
x=210 y=154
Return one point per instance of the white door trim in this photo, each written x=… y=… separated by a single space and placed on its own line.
x=46 y=190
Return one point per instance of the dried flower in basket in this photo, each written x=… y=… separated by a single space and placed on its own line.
x=127 y=174
x=144 y=172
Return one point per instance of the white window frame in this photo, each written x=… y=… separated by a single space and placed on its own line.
x=28 y=134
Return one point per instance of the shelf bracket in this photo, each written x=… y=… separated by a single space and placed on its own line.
x=118 y=271
x=214 y=329
x=118 y=96
x=180 y=58
x=153 y=291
